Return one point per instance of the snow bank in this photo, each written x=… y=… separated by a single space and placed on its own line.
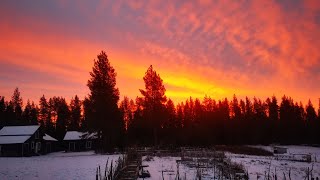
x=258 y=166
x=79 y=165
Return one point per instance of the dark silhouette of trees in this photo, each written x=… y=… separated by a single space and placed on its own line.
x=311 y=123
x=153 y=102
x=17 y=103
x=104 y=115
x=154 y=120
x=86 y=112
x=126 y=111
x=2 y=111
x=63 y=115
x=44 y=111
x=30 y=113
x=75 y=108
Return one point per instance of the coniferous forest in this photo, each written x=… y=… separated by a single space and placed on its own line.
x=153 y=119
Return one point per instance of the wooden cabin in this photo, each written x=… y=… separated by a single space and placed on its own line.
x=50 y=144
x=79 y=141
x=20 y=140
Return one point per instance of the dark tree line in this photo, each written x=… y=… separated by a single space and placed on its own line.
x=208 y=122
x=154 y=119
x=54 y=115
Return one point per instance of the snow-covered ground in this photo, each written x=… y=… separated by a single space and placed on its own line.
x=168 y=166
x=83 y=165
x=60 y=165
x=255 y=165
x=258 y=166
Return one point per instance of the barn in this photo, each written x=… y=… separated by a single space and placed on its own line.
x=20 y=140
x=79 y=141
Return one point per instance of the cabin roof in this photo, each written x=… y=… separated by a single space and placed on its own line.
x=13 y=139
x=76 y=135
x=46 y=137
x=19 y=130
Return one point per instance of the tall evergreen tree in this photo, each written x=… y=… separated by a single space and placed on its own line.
x=26 y=115
x=43 y=111
x=154 y=100
x=86 y=112
x=2 y=111
x=34 y=114
x=126 y=111
x=104 y=97
x=61 y=107
x=17 y=104
x=75 y=107
x=311 y=120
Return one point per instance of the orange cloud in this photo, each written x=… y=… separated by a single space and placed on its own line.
x=215 y=48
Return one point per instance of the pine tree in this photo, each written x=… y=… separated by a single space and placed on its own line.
x=34 y=114
x=26 y=115
x=126 y=111
x=311 y=119
x=104 y=97
x=17 y=104
x=43 y=111
x=2 y=111
x=86 y=112
x=154 y=101
x=75 y=107
x=61 y=107
x=171 y=121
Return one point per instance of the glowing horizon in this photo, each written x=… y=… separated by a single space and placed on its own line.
x=199 y=48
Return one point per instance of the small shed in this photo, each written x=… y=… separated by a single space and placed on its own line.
x=20 y=140
x=49 y=144
x=79 y=141
x=279 y=150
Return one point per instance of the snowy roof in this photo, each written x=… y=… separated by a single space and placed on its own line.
x=13 y=139
x=76 y=135
x=18 y=130
x=46 y=137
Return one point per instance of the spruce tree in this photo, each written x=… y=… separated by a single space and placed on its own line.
x=154 y=101
x=17 y=104
x=104 y=96
x=43 y=111
x=75 y=108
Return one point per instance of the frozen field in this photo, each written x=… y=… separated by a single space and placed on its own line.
x=58 y=165
x=83 y=165
x=258 y=166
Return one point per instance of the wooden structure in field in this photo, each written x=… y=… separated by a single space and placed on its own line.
x=279 y=150
x=20 y=140
x=50 y=144
x=79 y=141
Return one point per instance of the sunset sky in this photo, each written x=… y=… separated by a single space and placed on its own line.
x=218 y=48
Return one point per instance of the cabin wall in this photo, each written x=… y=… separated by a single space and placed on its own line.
x=79 y=145
x=11 y=150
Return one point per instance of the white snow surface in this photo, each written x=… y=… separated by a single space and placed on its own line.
x=18 y=130
x=169 y=167
x=59 y=165
x=13 y=139
x=49 y=138
x=258 y=166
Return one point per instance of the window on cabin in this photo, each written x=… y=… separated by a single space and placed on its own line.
x=88 y=144
x=32 y=145
x=39 y=146
x=37 y=135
